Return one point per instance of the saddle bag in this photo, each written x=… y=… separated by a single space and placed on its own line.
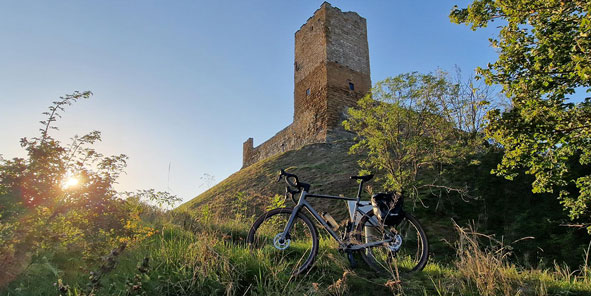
x=387 y=207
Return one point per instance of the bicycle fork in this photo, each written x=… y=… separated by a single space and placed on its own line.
x=284 y=236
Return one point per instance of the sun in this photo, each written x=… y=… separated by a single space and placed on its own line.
x=70 y=182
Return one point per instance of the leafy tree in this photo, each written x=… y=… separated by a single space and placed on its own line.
x=414 y=126
x=544 y=61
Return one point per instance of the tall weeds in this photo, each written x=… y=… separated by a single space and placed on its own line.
x=484 y=268
x=190 y=258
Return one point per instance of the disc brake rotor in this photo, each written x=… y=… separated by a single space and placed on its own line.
x=395 y=245
x=279 y=244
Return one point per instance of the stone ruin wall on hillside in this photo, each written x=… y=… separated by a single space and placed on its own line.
x=331 y=72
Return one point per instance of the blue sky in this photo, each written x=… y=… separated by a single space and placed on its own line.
x=185 y=83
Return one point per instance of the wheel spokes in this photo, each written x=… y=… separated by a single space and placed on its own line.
x=294 y=251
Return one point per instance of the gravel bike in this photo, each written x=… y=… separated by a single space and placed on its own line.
x=290 y=238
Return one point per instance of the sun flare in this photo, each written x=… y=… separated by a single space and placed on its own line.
x=70 y=182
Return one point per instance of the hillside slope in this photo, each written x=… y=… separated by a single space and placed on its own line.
x=504 y=208
x=326 y=166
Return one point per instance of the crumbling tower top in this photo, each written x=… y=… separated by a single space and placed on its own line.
x=331 y=69
x=331 y=35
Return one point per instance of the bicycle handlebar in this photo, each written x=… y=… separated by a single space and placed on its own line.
x=289 y=179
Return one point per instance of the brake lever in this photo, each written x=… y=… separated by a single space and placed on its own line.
x=281 y=175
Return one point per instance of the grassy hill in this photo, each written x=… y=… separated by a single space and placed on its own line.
x=506 y=209
x=326 y=166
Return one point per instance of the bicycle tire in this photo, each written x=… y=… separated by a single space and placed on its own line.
x=304 y=237
x=381 y=259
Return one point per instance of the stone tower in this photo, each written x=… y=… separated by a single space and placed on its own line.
x=331 y=72
x=331 y=67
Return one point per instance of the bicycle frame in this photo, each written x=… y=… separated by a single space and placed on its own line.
x=303 y=203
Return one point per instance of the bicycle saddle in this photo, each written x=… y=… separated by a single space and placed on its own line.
x=364 y=178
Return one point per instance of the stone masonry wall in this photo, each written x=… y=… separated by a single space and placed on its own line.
x=340 y=96
x=290 y=138
x=310 y=45
x=331 y=72
x=346 y=36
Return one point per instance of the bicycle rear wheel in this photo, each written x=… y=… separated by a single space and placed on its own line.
x=407 y=253
x=294 y=255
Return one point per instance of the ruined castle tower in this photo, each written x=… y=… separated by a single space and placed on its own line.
x=331 y=72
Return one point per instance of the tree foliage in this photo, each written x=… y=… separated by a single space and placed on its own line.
x=38 y=211
x=413 y=126
x=544 y=62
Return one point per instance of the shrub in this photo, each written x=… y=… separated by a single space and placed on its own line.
x=62 y=197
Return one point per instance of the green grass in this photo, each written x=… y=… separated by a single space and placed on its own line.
x=216 y=261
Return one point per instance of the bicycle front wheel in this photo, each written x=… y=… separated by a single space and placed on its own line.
x=296 y=254
x=408 y=251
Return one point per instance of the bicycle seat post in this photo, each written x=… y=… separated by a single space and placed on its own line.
x=359 y=191
x=363 y=179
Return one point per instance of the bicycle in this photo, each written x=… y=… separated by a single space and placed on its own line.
x=291 y=239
